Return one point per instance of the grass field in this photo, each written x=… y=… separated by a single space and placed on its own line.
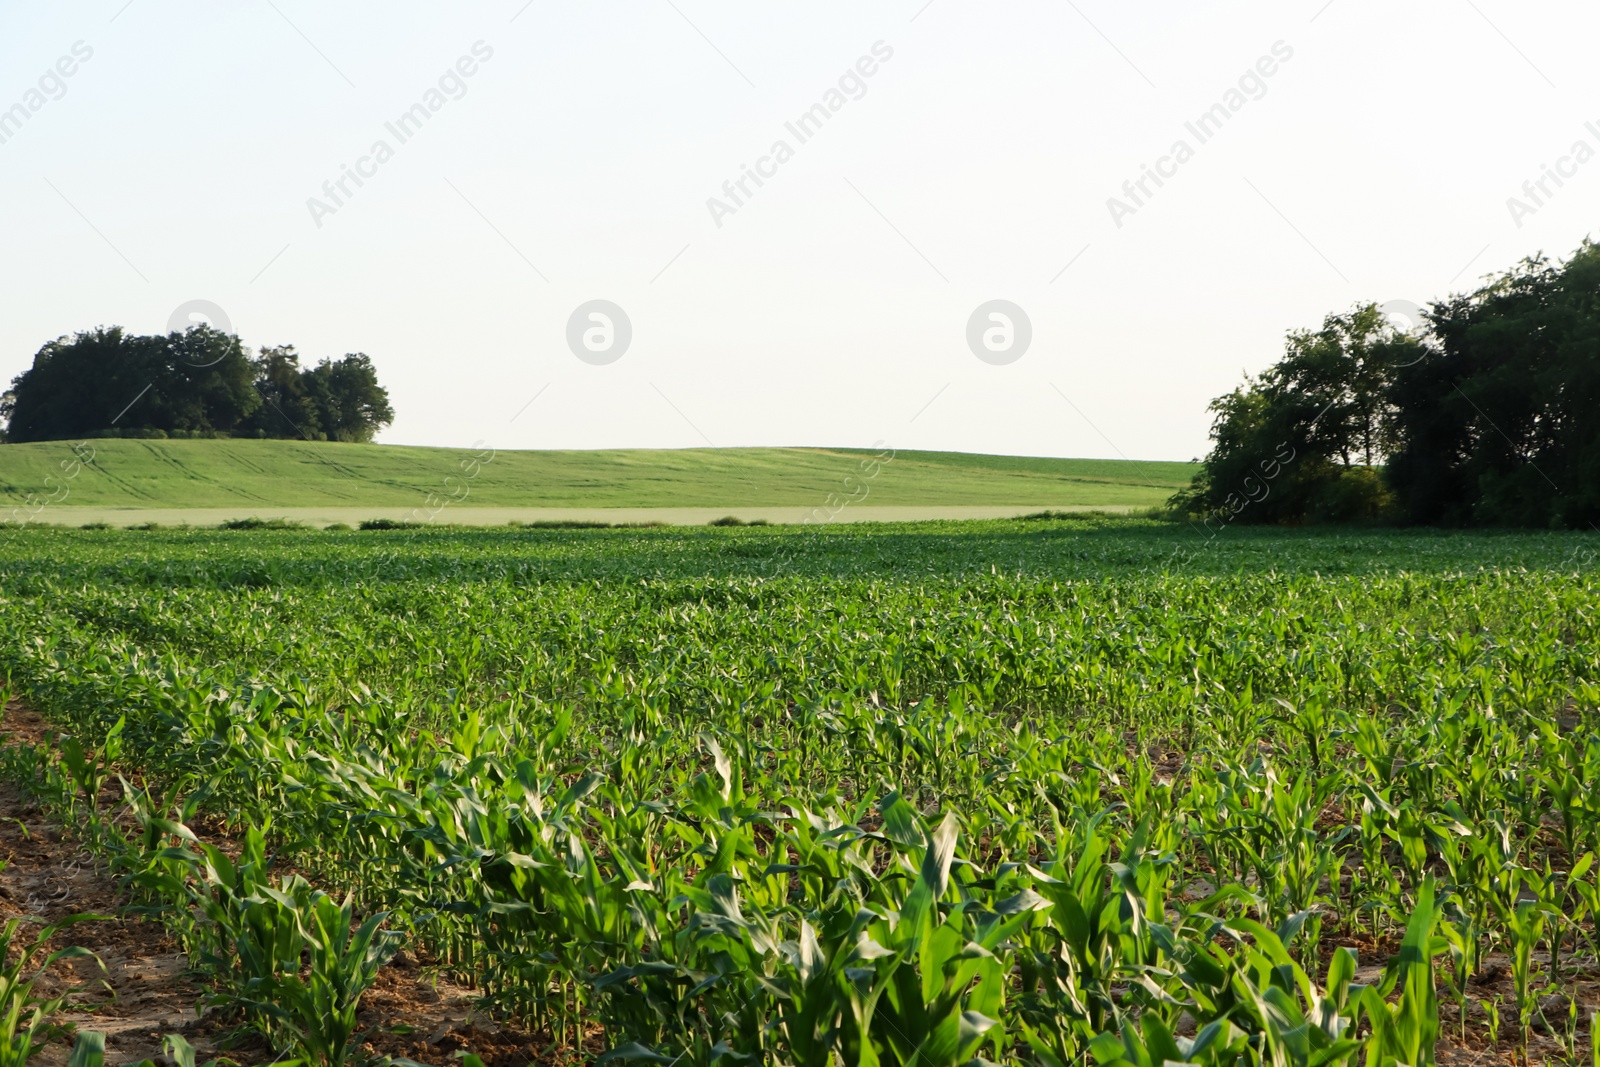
x=205 y=482
x=1045 y=793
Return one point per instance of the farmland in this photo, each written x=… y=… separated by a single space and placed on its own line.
x=1046 y=792
x=206 y=482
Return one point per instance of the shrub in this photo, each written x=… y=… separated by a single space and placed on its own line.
x=565 y=524
x=1071 y=516
x=261 y=524
x=1357 y=495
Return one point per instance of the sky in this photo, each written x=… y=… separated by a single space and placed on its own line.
x=953 y=251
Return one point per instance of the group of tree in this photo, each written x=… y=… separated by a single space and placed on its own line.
x=200 y=383
x=1486 y=414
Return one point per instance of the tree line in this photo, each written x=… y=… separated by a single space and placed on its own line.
x=1488 y=414
x=199 y=383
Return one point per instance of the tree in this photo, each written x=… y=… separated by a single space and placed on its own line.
x=337 y=400
x=353 y=405
x=1345 y=369
x=288 y=409
x=1500 y=424
x=209 y=384
x=200 y=382
x=1300 y=441
x=104 y=380
x=1492 y=418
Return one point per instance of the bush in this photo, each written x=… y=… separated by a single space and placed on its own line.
x=1073 y=516
x=145 y=434
x=261 y=524
x=1357 y=495
x=389 y=524
x=734 y=520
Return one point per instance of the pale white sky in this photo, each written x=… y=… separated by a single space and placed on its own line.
x=831 y=307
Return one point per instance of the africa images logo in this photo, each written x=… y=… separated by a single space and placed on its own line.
x=1252 y=85
x=852 y=82
x=451 y=85
x=1538 y=191
x=52 y=85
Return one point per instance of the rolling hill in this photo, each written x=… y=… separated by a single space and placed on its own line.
x=206 y=481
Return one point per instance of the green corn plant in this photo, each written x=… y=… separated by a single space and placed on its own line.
x=1565 y=894
x=702 y=995
x=1291 y=857
x=1421 y=832
x=156 y=834
x=1583 y=885
x=180 y=1052
x=1316 y=725
x=1253 y=1006
x=88 y=770
x=928 y=988
x=1142 y=873
x=236 y=926
x=89 y=1050
x=1464 y=936
x=1569 y=1031
x=252 y=933
x=806 y=1016
x=268 y=938
x=1379 y=819
x=1491 y=1015
x=319 y=1010
x=1081 y=952
x=1406 y=1031
x=1573 y=795
x=1153 y=1044
x=25 y=1017
x=1523 y=921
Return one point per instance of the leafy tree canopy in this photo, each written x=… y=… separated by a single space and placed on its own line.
x=1491 y=415
x=199 y=383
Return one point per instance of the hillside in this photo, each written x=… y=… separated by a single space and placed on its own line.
x=265 y=478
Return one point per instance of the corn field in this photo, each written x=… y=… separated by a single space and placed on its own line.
x=1043 y=793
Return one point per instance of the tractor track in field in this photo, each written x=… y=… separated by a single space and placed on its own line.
x=144 y=991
